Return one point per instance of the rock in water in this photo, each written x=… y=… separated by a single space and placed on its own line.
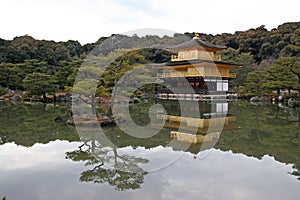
x=292 y=103
x=57 y=119
x=256 y=98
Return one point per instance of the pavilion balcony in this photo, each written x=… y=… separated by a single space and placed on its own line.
x=177 y=74
x=184 y=90
x=193 y=74
x=196 y=122
x=175 y=58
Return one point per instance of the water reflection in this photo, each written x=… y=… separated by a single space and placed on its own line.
x=44 y=173
x=213 y=119
x=252 y=158
x=107 y=165
x=27 y=124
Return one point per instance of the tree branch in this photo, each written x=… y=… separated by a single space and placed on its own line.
x=296 y=73
x=119 y=64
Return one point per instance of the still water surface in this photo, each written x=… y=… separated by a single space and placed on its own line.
x=255 y=157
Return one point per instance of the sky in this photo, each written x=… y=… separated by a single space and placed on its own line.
x=88 y=20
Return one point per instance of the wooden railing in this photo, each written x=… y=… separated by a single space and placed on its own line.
x=176 y=58
x=208 y=57
x=178 y=90
x=187 y=74
x=177 y=74
x=197 y=122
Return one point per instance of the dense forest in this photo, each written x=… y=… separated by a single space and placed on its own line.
x=270 y=60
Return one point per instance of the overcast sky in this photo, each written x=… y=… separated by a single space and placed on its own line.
x=88 y=20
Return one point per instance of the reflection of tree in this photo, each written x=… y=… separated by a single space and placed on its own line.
x=266 y=130
x=293 y=140
x=298 y=124
x=290 y=116
x=121 y=180
x=27 y=124
x=121 y=171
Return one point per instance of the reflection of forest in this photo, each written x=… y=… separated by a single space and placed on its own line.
x=265 y=129
x=27 y=124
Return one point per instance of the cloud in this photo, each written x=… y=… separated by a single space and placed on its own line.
x=86 y=21
x=145 y=6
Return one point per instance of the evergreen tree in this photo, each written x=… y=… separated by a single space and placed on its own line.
x=40 y=84
x=279 y=76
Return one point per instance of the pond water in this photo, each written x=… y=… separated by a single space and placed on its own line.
x=256 y=155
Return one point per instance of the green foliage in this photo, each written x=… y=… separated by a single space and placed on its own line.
x=65 y=71
x=68 y=88
x=2 y=90
x=102 y=91
x=259 y=42
x=246 y=60
x=253 y=83
x=33 y=65
x=255 y=47
x=155 y=55
x=40 y=84
x=10 y=76
x=264 y=44
x=88 y=78
x=279 y=75
x=86 y=87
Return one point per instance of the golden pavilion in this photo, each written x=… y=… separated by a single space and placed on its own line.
x=195 y=66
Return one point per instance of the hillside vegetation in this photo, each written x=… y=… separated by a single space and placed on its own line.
x=270 y=60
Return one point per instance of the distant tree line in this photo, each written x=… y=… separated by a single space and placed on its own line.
x=270 y=59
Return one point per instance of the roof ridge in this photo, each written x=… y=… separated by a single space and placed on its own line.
x=194 y=42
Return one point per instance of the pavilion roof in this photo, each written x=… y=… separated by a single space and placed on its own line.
x=195 y=61
x=196 y=42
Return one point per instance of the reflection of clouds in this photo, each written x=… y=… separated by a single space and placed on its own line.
x=19 y=157
x=42 y=172
x=224 y=175
x=160 y=157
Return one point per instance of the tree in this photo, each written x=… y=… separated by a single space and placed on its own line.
x=294 y=45
x=116 y=64
x=10 y=76
x=64 y=70
x=294 y=65
x=2 y=90
x=102 y=91
x=279 y=76
x=40 y=84
x=254 y=82
x=246 y=60
x=32 y=66
x=74 y=48
x=87 y=80
x=292 y=41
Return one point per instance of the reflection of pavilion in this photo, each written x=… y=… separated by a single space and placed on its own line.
x=207 y=127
